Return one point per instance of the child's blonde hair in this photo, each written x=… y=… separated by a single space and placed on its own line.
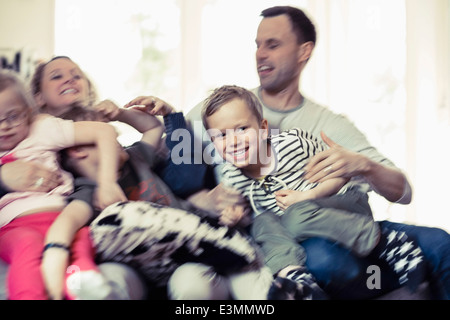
x=227 y=93
x=11 y=79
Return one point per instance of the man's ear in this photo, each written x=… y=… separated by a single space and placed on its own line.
x=305 y=51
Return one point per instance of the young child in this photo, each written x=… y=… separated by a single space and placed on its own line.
x=26 y=216
x=288 y=209
x=60 y=84
x=155 y=231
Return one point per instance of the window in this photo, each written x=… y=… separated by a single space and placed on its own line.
x=362 y=66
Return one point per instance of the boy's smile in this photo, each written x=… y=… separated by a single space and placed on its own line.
x=238 y=136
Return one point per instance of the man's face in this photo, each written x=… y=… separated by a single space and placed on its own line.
x=277 y=54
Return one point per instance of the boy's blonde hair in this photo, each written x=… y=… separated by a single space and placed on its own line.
x=11 y=79
x=227 y=93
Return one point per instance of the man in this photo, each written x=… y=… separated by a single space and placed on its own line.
x=285 y=41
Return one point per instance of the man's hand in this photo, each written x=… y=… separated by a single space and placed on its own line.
x=28 y=176
x=335 y=162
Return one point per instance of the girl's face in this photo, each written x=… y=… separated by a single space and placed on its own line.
x=14 y=119
x=62 y=84
x=238 y=136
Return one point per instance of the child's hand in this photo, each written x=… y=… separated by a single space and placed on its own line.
x=233 y=215
x=53 y=267
x=108 y=194
x=220 y=198
x=151 y=105
x=286 y=198
x=108 y=110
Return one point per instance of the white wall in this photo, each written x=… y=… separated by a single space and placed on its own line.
x=27 y=24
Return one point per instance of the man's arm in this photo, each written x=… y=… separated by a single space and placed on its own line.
x=337 y=161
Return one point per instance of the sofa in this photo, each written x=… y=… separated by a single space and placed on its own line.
x=399 y=294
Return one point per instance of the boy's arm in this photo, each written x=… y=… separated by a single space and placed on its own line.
x=151 y=127
x=104 y=136
x=145 y=109
x=285 y=198
x=140 y=118
x=58 y=241
x=326 y=188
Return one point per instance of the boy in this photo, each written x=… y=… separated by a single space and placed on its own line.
x=268 y=170
x=155 y=231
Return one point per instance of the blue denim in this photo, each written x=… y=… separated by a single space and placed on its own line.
x=185 y=177
x=344 y=276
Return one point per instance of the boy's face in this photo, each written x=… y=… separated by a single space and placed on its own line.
x=63 y=84
x=14 y=119
x=87 y=158
x=237 y=134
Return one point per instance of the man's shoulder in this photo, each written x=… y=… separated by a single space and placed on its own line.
x=195 y=113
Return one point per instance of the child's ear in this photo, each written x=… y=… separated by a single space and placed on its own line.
x=77 y=152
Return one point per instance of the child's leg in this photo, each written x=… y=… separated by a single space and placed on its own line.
x=84 y=280
x=196 y=281
x=21 y=244
x=355 y=231
x=128 y=284
x=82 y=252
x=282 y=252
x=21 y=248
x=280 y=249
x=156 y=240
x=251 y=285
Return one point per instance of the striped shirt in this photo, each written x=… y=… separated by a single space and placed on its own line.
x=292 y=150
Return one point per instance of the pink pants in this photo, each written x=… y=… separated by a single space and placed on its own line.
x=21 y=245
